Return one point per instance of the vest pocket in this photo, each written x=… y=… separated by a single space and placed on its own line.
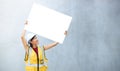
x=41 y=61
x=45 y=59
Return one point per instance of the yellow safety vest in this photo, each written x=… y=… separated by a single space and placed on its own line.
x=31 y=60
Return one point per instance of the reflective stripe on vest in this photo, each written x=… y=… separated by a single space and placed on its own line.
x=35 y=65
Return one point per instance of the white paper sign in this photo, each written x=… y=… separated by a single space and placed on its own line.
x=48 y=23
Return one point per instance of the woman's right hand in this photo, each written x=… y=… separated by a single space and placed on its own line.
x=26 y=22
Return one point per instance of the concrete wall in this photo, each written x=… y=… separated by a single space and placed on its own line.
x=93 y=38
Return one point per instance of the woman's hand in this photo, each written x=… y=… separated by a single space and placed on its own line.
x=26 y=22
x=65 y=33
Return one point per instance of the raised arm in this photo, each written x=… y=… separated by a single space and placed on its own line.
x=24 y=42
x=50 y=45
x=53 y=44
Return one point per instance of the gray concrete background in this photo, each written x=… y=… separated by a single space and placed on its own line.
x=92 y=44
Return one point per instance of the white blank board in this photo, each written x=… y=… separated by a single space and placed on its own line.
x=48 y=23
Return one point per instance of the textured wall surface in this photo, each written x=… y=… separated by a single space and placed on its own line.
x=92 y=43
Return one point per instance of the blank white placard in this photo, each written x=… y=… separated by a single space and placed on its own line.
x=48 y=23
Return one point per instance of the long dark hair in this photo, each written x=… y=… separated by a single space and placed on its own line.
x=29 y=42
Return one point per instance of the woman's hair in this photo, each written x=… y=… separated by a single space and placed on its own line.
x=29 y=42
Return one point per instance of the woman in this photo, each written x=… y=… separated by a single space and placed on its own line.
x=35 y=58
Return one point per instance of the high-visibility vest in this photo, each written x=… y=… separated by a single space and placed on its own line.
x=31 y=59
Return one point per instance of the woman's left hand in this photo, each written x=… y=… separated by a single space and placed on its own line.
x=65 y=33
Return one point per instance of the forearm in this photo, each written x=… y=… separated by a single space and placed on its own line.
x=23 y=34
x=24 y=40
x=51 y=45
